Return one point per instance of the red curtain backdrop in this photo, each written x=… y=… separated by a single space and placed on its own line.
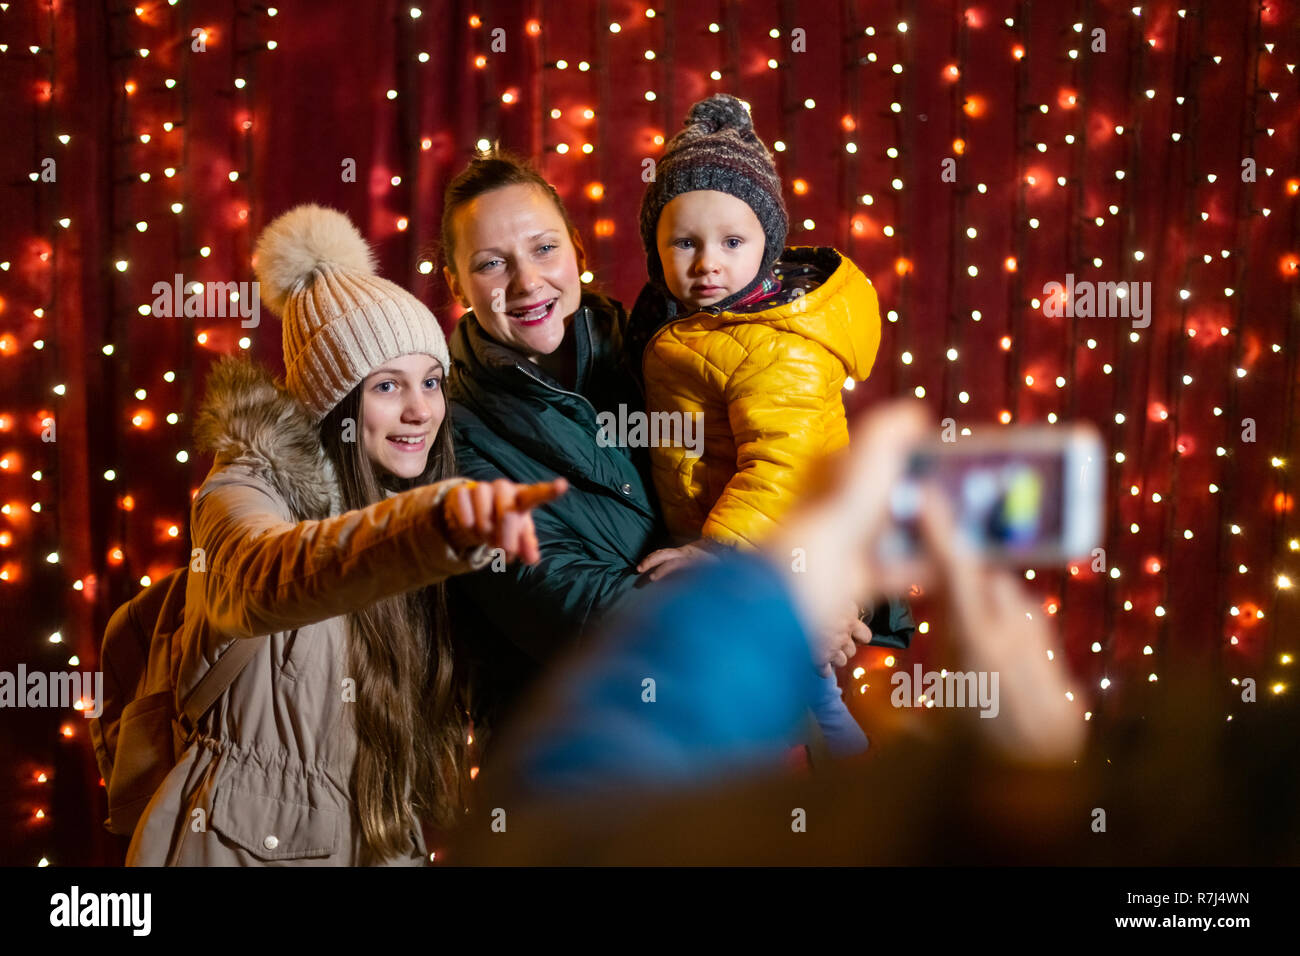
x=1112 y=142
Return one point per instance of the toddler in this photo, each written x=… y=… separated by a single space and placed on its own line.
x=757 y=337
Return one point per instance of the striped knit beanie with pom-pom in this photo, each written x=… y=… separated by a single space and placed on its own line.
x=340 y=320
x=717 y=150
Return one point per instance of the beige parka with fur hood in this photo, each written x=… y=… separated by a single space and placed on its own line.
x=267 y=779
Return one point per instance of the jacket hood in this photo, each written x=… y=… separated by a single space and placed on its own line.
x=824 y=297
x=248 y=416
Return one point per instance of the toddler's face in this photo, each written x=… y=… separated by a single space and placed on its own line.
x=710 y=244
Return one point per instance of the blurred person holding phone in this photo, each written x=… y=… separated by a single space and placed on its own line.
x=610 y=769
x=705 y=682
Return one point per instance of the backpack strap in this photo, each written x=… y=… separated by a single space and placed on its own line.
x=216 y=681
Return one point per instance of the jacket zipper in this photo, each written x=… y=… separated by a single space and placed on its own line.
x=556 y=389
x=553 y=388
x=564 y=392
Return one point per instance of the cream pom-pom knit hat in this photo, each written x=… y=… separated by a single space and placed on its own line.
x=340 y=320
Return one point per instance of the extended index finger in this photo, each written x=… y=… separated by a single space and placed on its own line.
x=530 y=496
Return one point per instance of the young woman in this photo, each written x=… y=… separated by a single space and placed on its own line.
x=324 y=530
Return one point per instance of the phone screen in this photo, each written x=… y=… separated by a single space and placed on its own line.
x=1008 y=503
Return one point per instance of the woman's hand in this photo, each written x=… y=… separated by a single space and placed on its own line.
x=667 y=560
x=497 y=513
x=839 y=641
x=997 y=627
x=1000 y=630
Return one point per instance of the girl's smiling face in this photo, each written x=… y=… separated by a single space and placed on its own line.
x=517 y=267
x=402 y=408
x=710 y=245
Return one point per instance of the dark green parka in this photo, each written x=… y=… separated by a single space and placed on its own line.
x=510 y=419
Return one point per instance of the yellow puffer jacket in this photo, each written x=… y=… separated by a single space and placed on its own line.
x=768 y=381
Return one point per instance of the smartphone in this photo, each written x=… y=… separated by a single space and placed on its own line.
x=1027 y=495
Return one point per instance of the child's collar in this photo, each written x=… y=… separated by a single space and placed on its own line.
x=770 y=285
x=756 y=291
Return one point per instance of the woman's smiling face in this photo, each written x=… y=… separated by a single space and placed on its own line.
x=517 y=267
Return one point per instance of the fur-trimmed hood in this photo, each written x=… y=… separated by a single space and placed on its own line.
x=248 y=416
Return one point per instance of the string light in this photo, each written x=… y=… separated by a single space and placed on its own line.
x=996 y=265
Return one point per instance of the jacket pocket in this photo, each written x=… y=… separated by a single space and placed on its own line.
x=294 y=648
x=144 y=754
x=274 y=829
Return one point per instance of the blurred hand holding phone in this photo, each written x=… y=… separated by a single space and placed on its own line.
x=1019 y=496
x=956 y=516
